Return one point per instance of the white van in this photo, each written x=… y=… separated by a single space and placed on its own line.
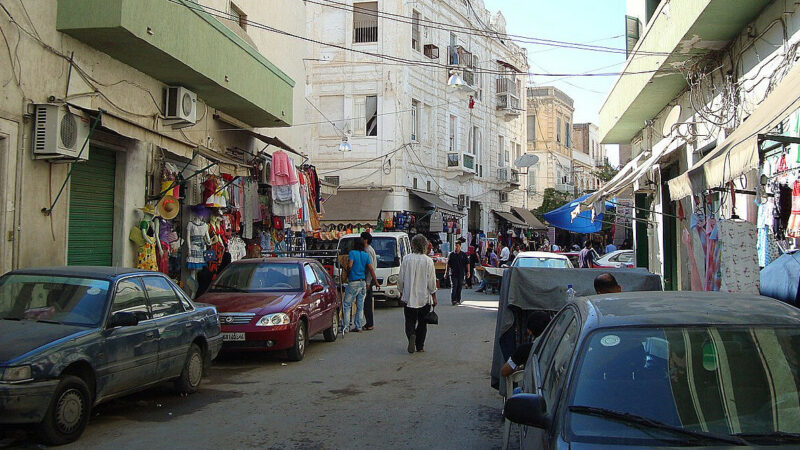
x=390 y=249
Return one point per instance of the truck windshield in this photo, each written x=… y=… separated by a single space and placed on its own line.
x=740 y=381
x=385 y=250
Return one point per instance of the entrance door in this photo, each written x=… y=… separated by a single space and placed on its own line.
x=670 y=241
x=91 y=210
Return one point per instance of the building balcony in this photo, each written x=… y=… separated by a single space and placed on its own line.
x=461 y=162
x=458 y=56
x=508 y=105
x=679 y=31
x=179 y=44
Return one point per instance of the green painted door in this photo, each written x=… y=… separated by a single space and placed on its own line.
x=91 y=210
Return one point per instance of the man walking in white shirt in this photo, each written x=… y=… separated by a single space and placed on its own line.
x=505 y=255
x=417 y=284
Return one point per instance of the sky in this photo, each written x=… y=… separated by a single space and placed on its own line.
x=599 y=22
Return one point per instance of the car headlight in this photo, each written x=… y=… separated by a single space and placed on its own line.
x=271 y=320
x=17 y=374
x=392 y=279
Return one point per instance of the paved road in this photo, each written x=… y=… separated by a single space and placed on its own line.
x=364 y=391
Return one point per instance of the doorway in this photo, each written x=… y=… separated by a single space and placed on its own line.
x=90 y=236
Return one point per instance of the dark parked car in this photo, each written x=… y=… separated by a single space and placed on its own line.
x=672 y=369
x=72 y=337
x=275 y=304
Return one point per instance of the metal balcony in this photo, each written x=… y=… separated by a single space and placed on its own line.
x=458 y=56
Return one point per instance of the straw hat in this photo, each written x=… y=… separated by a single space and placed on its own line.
x=148 y=209
x=168 y=207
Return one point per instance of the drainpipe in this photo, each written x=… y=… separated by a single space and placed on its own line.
x=21 y=133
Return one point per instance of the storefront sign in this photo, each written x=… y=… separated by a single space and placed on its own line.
x=437 y=223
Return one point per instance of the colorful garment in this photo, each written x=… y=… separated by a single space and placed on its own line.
x=146 y=258
x=283 y=171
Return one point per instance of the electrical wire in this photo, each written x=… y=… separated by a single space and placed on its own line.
x=365 y=161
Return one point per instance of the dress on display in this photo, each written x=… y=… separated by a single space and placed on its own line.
x=198 y=240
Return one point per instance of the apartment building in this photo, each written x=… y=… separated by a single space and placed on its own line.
x=428 y=98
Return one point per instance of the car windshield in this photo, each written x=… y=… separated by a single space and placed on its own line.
x=720 y=380
x=552 y=263
x=385 y=249
x=44 y=298
x=259 y=277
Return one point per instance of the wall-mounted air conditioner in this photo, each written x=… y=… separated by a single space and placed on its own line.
x=58 y=134
x=180 y=107
x=463 y=201
x=503 y=197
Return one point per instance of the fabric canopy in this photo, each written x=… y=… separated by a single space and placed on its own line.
x=528 y=218
x=436 y=202
x=356 y=206
x=512 y=219
x=738 y=153
x=561 y=217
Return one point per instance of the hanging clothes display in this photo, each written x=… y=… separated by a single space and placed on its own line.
x=793 y=228
x=197 y=241
x=738 y=259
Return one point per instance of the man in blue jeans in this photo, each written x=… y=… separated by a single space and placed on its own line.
x=358 y=262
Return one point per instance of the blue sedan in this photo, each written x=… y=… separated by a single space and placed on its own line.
x=72 y=337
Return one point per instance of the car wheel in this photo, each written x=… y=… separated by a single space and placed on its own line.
x=192 y=372
x=333 y=332
x=297 y=352
x=68 y=414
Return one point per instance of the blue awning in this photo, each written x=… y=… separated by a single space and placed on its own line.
x=561 y=217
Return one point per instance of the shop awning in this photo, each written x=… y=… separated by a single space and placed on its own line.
x=436 y=202
x=225 y=164
x=273 y=141
x=511 y=218
x=353 y=206
x=738 y=153
x=562 y=217
x=528 y=218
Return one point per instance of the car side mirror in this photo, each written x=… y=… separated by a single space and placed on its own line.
x=123 y=319
x=527 y=409
x=316 y=287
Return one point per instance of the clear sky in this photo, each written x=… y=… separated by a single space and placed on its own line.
x=599 y=22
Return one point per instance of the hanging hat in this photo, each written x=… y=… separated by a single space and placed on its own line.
x=148 y=209
x=168 y=207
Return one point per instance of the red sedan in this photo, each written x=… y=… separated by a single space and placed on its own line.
x=274 y=304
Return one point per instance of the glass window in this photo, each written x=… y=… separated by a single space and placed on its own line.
x=321 y=274
x=541 y=262
x=724 y=380
x=259 y=277
x=71 y=300
x=163 y=299
x=311 y=277
x=129 y=297
x=371 y=107
x=415 y=34
x=531 y=128
x=555 y=375
x=365 y=22
x=555 y=331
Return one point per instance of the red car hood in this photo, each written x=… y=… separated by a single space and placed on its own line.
x=257 y=302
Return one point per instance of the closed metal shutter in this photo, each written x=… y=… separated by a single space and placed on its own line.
x=91 y=210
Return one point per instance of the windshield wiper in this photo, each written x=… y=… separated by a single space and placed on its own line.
x=49 y=321
x=652 y=423
x=224 y=287
x=779 y=436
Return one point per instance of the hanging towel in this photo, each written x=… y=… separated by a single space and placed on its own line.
x=283 y=171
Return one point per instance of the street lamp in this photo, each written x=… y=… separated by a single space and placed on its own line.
x=345 y=146
x=455 y=80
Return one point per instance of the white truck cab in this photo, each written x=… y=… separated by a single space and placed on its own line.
x=390 y=248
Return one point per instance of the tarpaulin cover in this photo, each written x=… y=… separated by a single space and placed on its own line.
x=529 y=289
x=561 y=217
x=781 y=278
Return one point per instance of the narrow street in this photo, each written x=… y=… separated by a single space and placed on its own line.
x=364 y=391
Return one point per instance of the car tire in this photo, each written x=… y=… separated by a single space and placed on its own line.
x=333 y=332
x=192 y=373
x=297 y=352
x=68 y=414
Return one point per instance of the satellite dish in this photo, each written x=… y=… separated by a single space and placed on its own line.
x=672 y=119
x=526 y=160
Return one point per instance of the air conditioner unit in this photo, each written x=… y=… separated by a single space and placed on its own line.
x=503 y=197
x=58 y=134
x=463 y=201
x=180 y=107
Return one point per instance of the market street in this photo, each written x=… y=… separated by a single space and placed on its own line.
x=364 y=391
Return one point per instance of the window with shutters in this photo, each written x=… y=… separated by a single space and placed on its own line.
x=558 y=129
x=428 y=185
x=239 y=17
x=415 y=137
x=365 y=22
x=453 y=125
x=414 y=183
x=415 y=31
x=632 y=29
x=331 y=108
x=567 y=134
x=531 y=128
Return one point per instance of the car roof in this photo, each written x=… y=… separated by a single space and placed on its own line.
x=686 y=308
x=275 y=260
x=377 y=234
x=84 y=271
x=541 y=255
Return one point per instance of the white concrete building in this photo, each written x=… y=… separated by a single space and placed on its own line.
x=408 y=129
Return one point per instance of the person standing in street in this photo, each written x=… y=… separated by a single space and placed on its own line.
x=473 y=263
x=611 y=247
x=358 y=265
x=457 y=263
x=586 y=256
x=417 y=285
x=369 y=304
x=505 y=255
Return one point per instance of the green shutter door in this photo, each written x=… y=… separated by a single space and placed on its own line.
x=91 y=210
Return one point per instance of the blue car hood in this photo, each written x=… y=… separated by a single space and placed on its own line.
x=18 y=337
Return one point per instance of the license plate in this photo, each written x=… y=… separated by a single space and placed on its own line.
x=232 y=336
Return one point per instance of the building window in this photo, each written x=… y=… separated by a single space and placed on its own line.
x=558 y=129
x=415 y=31
x=365 y=22
x=453 y=125
x=501 y=151
x=332 y=111
x=414 y=120
x=415 y=182
x=532 y=128
x=567 y=135
x=518 y=152
x=475 y=142
x=428 y=185
x=238 y=16
x=334 y=180
x=365 y=115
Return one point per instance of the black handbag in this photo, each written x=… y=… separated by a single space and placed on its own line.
x=432 y=318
